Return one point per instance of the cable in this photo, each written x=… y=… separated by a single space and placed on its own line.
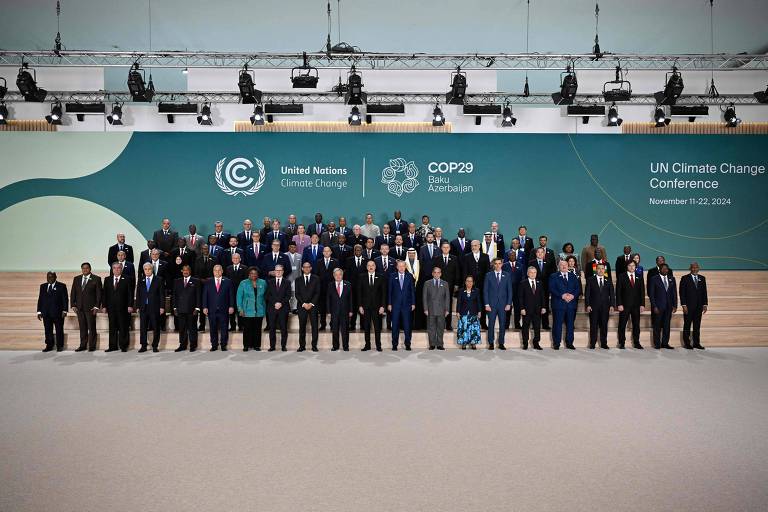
x=713 y=92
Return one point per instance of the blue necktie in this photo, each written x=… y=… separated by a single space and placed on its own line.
x=146 y=301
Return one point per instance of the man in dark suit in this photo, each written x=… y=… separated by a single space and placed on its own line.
x=312 y=252
x=398 y=226
x=401 y=302
x=598 y=302
x=341 y=251
x=526 y=242
x=308 y=289
x=203 y=272
x=549 y=254
x=129 y=271
x=119 y=246
x=272 y=259
x=369 y=253
x=254 y=250
x=277 y=296
x=343 y=228
x=323 y=269
x=664 y=302
x=427 y=253
x=244 y=237
x=385 y=264
x=354 y=266
x=516 y=266
x=277 y=234
x=460 y=246
x=531 y=297
x=411 y=240
x=565 y=288
x=630 y=298
x=292 y=228
x=218 y=304
x=386 y=237
x=693 y=298
x=357 y=237
x=150 y=302
x=330 y=236
x=221 y=237
x=117 y=302
x=649 y=281
x=497 y=297
x=226 y=256
x=186 y=307
x=590 y=269
x=399 y=251
x=236 y=272
x=316 y=227
x=371 y=299
x=52 y=306
x=215 y=251
x=85 y=300
x=266 y=228
x=450 y=272
x=543 y=271
x=498 y=239
x=339 y=301
x=144 y=256
x=476 y=264
x=165 y=239
x=181 y=256
x=621 y=262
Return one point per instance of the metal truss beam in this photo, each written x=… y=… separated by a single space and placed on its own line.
x=370 y=60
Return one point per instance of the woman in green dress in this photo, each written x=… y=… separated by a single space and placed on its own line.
x=251 y=308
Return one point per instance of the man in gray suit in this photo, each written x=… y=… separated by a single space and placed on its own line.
x=294 y=272
x=437 y=298
x=194 y=241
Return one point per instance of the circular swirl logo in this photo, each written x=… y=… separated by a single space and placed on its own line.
x=400 y=176
x=233 y=182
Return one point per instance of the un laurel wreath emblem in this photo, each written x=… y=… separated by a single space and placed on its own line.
x=233 y=183
x=400 y=176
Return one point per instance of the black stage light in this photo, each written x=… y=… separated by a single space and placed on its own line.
x=354 y=94
x=620 y=89
x=660 y=118
x=248 y=92
x=205 y=116
x=258 y=115
x=3 y=114
x=762 y=96
x=55 y=116
x=304 y=76
x=81 y=109
x=731 y=121
x=438 y=119
x=172 y=109
x=458 y=88
x=3 y=88
x=355 y=119
x=507 y=119
x=140 y=91
x=116 y=117
x=274 y=109
x=672 y=90
x=27 y=84
x=613 y=116
x=568 y=87
x=390 y=109
x=689 y=111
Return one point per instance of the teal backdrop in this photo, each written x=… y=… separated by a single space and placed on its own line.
x=565 y=186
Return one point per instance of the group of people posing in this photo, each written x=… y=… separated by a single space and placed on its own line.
x=401 y=274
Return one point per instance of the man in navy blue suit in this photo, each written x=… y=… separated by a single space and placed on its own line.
x=497 y=296
x=272 y=259
x=254 y=250
x=663 y=303
x=221 y=237
x=218 y=304
x=402 y=303
x=150 y=303
x=226 y=256
x=277 y=234
x=312 y=252
x=565 y=288
x=52 y=306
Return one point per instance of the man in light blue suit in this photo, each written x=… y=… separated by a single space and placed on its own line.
x=564 y=288
x=497 y=296
x=402 y=302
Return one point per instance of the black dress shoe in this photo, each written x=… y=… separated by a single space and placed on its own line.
x=246 y=349
x=314 y=349
x=123 y=350
x=111 y=350
x=214 y=349
x=301 y=349
x=668 y=347
x=463 y=347
x=637 y=346
x=473 y=346
x=408 y=348
x=394 y=349
x=180 y=349
x=431 y=347
x=490 y=346
x=440 y=348
x=334 y=349
x=570 y=346
x=620 y=346
x=345 y=349
x=699 y=347
x=47 y=349
x=284 y=349
x=224 y=348
x=502 y=347
x=79 y=349
x=536 y=346
x=605 y=346
x=270 y=349
x=142 y=350
x=591 y=347
x=378 y=349
x=155 y=349
x=59 y=349
x=687 y=346
x=365 y=348
x=556 y=347
x=193 y=349
x=91 y=350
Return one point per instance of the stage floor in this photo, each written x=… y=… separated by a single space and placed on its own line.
x=420 y=431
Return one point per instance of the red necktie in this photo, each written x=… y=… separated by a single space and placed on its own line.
x=218 y=285
x=632 y=280
x=338 y=289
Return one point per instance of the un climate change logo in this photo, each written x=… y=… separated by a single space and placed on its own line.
x=400 y=176
x=235 y=184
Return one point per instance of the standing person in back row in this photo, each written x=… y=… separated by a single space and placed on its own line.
x=85 y=300
x=693 y=298
x=52 y=305
x=165 y=240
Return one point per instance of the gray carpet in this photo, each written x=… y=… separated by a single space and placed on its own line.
x=465 y=431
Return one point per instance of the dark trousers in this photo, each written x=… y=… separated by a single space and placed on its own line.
x=118 y=329
x=149 y=320
x=305 y=315
x=278 y=319
x=322 y=308
x=234 y=320
x=401 y=317
x=251 y=331
x=528 y=319
x=370 y=317
x=449 y=316
x=545 y=314
x=558 y=316
x=218 y=321
x=493 y=315
x=187 y=323
x=355 y=314
x=598 y=323
x=202 y=323
x=49 y=322
x=340 y=325
x=515 y=313
x=661 y=328
x=693 y=317
x=87 y=322
x=624 y=316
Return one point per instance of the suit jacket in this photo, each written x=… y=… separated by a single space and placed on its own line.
x=52 y=304
x=353 y=240
x=194 y=243
x=274 y=294
x=401 y=255
x=151 y=300
x=558 y=286
x=396 y=228
x=294 y=265
x=186 y=299
x=599 y=298
x=476 y=269
x=117 y=299
x=307 y=293
x=188 y=258
x=456 y=249
x=290 y=230
x=532 y=302
x=143 y=257
x=129 y=271
x=526 y=245
x=653 y=271
x=165 y=242
x=204 y=270
x=112 y=253
x=384 y=239
x=451 y=271
x=414 y=242
x=391 y=265
x=244 y=239
x=694 y=296
x=468 y=305
x=222 y=240
x=271 y=236
x=329 y=239
x=426 y=260
x=518 y=271
x=352 y=270
x=341 y=252
x=436 y=299
x=268 y=264
x=308 y=255
x=372 y=255
x=218 y=301
x=627 y=295
x=216 y=252
x=316 y=228
x=497 y=293
x=236 y=276
x=85 y=299
x=543 y=271
x=325 y=274
x=589 y=272
x=339 y=306
x=661 y=298
x=253 y=254
x=549 y=256
x=401 y=300
x=621 y=264
x=368 y=296
x=226 y=256
x=346 y=231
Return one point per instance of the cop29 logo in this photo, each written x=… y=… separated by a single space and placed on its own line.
x=400 y=176
x=233 y=183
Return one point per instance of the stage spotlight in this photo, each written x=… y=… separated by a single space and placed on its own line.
x=258 y=115
x=3 y=114
x=507 y=119
x=116 y=117
x=355 y=119
x=304 y=76
x=762 y=96
x=205 y=116
x=613 y=116
x=55 y=116
x=248 y=92
x=660 y=117
x=27 y=84
x=185 y=71
x=672 y=90
x=140 y=91
x=438 y=119
x=731 y=121
x=3 y=88
x=354 y=94
x=458 y=88
x=568 y=87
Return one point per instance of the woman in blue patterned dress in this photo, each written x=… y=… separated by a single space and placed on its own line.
x=468 y=308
